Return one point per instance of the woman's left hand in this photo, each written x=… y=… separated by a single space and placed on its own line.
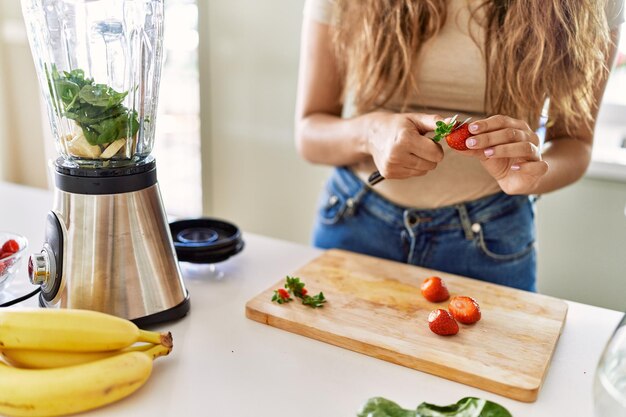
x=509 y=151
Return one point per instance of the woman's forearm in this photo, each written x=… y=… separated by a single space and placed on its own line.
x=568 y=159
x=331 y=140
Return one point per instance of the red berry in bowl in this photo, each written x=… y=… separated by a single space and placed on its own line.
x=11 y=246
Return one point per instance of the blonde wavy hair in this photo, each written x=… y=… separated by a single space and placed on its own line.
x=534 y=50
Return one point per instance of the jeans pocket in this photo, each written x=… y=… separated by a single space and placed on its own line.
x=333 y=204
x=507 y=238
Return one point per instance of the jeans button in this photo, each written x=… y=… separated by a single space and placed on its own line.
x=476 y=227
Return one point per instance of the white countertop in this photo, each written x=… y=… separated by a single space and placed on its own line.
x=226 y=365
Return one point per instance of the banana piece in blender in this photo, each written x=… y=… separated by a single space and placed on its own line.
x=78 y=146
x=113 y=148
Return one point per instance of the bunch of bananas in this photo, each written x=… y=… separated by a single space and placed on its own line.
x=59 y=362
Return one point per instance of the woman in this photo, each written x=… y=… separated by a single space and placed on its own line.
x=394 y=68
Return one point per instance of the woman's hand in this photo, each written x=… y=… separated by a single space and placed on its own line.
x=398 y=145
x=509 y=151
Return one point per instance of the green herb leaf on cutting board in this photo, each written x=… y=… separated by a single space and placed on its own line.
x=294 y=285
x=466 y=407
x=315 y=301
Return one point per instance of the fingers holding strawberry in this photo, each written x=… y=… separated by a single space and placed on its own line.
x=398 y=145
x=510 y=152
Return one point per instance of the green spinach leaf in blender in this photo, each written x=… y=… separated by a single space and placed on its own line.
x=96 y=108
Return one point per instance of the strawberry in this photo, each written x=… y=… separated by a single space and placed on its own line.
x=465 y=309
x=5 y=254
x=455 y=138
x=281 y=295
x=442 y=323
x=10 y=246
x=435 y=290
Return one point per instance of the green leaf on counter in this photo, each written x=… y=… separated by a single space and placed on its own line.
x=382 y=407
x=466 y=407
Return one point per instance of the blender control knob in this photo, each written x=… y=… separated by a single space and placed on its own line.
x=41 y=267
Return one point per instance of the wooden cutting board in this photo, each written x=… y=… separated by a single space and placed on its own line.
x=375 y=307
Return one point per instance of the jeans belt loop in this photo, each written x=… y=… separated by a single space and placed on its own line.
x=465 y=221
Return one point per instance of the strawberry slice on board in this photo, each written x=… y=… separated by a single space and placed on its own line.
x=434 y=290
x=464 y=309
x=442 y=323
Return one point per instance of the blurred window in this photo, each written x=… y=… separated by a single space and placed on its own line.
x=616 y=89
x=177 y=142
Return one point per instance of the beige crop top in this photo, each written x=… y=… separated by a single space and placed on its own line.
x=458 y=89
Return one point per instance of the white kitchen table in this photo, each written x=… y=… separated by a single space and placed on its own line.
x=224 y=364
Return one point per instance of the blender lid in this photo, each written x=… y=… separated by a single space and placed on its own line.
x=205 y=240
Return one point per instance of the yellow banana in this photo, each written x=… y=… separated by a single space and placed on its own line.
x=47 y=359
x=62 y=391
x=71 y=331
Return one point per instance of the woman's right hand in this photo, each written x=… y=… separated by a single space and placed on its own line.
x=398 y=146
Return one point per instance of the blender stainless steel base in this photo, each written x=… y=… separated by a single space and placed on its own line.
x=110 y=251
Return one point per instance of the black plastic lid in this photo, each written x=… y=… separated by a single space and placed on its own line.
x=205 y=240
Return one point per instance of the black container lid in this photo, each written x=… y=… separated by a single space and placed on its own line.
x=205 y=240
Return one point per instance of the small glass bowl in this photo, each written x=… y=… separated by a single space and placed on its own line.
x=10 y=265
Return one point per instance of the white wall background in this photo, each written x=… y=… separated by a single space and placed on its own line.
x=582 y=243
x=252 y=175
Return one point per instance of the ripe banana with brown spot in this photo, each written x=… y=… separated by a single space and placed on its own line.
x=71 y=330
x=73 y=389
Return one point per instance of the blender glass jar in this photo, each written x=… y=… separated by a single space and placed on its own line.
x=609 y=391
x=98 y=64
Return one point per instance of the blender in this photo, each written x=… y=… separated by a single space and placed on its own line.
x=108 y=245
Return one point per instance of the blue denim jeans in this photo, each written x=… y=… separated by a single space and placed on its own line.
x=490 y=239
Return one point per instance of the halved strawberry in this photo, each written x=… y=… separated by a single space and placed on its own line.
x=10 y=246
x=435 y=290
x=442 y=323
x=465 y=309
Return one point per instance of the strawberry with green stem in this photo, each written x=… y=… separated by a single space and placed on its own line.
x=294 y=286
x=455 y=136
